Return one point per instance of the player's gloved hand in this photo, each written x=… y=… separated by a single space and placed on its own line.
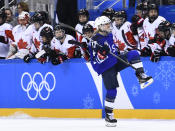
x=146 y=51
x=155 y=57
x=3 y=40
x=137 y=20
x=77 y=53
x=133 y=28
x=42 y=60
x=58 y=59
x=171 y=50
x=102 y=51
x=28 y=57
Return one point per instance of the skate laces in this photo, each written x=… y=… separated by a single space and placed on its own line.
x=143 y=75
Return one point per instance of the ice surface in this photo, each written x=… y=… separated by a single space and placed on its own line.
x=27 y=123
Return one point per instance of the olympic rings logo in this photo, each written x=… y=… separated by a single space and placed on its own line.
x=37 y=88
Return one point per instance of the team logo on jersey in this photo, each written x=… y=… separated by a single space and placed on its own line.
x=34 y=86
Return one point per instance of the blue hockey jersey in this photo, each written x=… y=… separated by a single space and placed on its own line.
x=102 y=65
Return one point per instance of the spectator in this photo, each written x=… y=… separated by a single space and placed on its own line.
x=10 y=17
x=22 y=6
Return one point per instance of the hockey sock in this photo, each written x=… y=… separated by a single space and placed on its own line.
x=110 y=98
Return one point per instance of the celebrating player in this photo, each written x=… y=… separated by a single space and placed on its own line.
x=108 y=66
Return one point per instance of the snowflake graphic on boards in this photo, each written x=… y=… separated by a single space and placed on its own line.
x=156 y=98
x=165 y=73
x=135 y=90
x=88 y=102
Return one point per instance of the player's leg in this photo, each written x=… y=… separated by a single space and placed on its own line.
x=111 y=84
x=134 y=58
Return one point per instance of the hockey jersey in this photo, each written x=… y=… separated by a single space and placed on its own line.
x=150 y=28
x=64 y=47
x=119 y=40
x=102 y=65
x=33 y=39
x=6 y=38
x=18 y=31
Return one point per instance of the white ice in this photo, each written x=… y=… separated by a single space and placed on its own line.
x=53 y=124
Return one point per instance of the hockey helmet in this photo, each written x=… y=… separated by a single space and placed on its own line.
x=164 y=28
x=40 y=16
x=139 y=6
x=83 y=12
x=87 y=28
x=47 y=32
x=101 y=21
x=109 y=12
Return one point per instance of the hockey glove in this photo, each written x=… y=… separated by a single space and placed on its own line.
x=60 y=58
x=102 y=51
x=171 y=51
x=155 y=57
x=3 y=40
x=42 y=60
x=28 y=57
x=146 y=51
x=77 y=53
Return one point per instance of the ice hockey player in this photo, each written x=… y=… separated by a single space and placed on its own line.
x=49 y=54
x=83 y=18
x=88 y=32
x=139 y=35
x=18 y=49
x=108 y=66
x=32 y=35
x=109 y=12
x=61 y=45
x=120 y=25
x=171 y=47
x=160 y=42
x=151 y=23
x=6 y=36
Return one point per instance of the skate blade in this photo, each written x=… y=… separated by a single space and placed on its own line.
x=144 y=85
x=110 y=124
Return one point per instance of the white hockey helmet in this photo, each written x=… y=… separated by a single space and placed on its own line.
x=101 y=20
x=24 y=15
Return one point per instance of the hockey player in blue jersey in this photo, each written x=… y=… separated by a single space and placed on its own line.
x=108 y=66
x=101 y=46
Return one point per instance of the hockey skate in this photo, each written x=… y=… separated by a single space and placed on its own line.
x=144 y=80
x=110 y=120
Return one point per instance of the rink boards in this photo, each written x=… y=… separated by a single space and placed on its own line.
x=74 y=90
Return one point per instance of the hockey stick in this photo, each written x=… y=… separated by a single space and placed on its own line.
x=127 y=43
x=70 y=27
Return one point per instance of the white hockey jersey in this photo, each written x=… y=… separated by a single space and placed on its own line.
x=33 y=39
x=18 y=31
x=170 y=42
x=141 y=38
x=6 y=38
x=79 y=28
x=150 y=28
x=64 y=47
x=119 y=40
